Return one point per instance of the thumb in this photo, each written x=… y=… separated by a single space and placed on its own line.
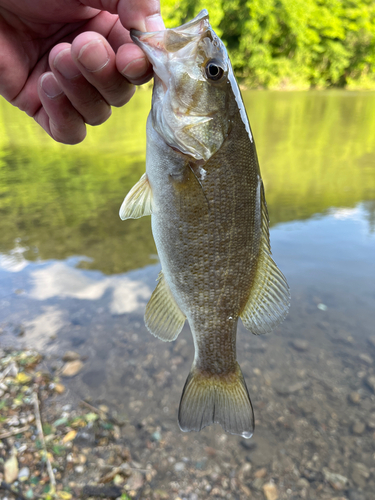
x=143 y=15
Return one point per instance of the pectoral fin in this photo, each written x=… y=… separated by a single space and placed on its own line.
x=138 y=201
x=269 y=299
x=163 y=317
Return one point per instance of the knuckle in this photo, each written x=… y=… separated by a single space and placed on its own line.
x=97 y=115
x=71 y=131
x=117 y=93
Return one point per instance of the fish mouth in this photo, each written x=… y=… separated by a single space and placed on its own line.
x=159 y=46
x=193 y=27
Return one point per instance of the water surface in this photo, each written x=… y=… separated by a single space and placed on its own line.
x=73 y=276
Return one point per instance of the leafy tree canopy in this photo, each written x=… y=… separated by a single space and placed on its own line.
x=291 y=43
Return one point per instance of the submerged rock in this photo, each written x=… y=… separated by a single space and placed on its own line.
x=337 y=481
x=71 y=356
x=270 y=491
x=370 y=381
x=354 y=398
x=360 y=474
x=285 y=389
x=71 y=368
x=358 y=427
x=300 y=345
x=365 y=358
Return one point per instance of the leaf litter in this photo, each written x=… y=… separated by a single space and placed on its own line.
x=49 y=451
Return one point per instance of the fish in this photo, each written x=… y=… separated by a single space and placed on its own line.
x=204 y=192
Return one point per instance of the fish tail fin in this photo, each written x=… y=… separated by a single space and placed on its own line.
x=223 y=399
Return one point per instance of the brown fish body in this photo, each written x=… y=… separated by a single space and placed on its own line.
x=208 y=243
x=210 y=225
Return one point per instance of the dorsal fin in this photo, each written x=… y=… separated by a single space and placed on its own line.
x=138 y=202
x=269 y=299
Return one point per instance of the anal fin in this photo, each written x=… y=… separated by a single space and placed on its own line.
x=163 y=317
x=138 y=202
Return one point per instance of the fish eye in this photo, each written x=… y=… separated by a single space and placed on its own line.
x=214 y=71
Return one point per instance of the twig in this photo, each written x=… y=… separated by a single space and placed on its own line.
x=5 y=372
x=40 y=431
x=102 y=414
x=92 y=408
x=14 y=431
x=140 y=470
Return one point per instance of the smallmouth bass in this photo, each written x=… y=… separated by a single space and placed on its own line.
x=209 y=218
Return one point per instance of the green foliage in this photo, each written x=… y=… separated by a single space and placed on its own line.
x=292 y=43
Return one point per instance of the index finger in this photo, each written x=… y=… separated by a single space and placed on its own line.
x=143 y=15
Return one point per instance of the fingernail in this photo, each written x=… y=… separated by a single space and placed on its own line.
x=136 y=68
x=154 y=23
x=50 y=85
x=93 y=56
x=65 y=65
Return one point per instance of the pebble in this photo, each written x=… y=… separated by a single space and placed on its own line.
x=270 y=491
x=358 y=428
x=71 y=368
x=135 y=482
x=366 y=358
x=286 y=389
x=303 y=483
x=70 y=356
x=156 y=436
x=13 y=371
x=179 y=466
x=11 y=469
x=24 y=474
x=371 y=422
x=79 y=469
x=337 y=481
x=257 y=483
x=354 y=398
x=261 y=472
x=59 y=388
x=360 y=474
x=300 y=345
x=370 y=381
x=13 y=422
x=342 y=336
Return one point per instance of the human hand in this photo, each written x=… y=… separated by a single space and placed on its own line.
x=92 y=66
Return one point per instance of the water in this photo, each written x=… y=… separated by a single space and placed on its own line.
x=73 y=276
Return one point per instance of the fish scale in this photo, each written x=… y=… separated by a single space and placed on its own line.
x=209 y=218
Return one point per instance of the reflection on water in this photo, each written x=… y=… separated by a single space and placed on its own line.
x=317 y=154
x=316 y=150
x=60 y=280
